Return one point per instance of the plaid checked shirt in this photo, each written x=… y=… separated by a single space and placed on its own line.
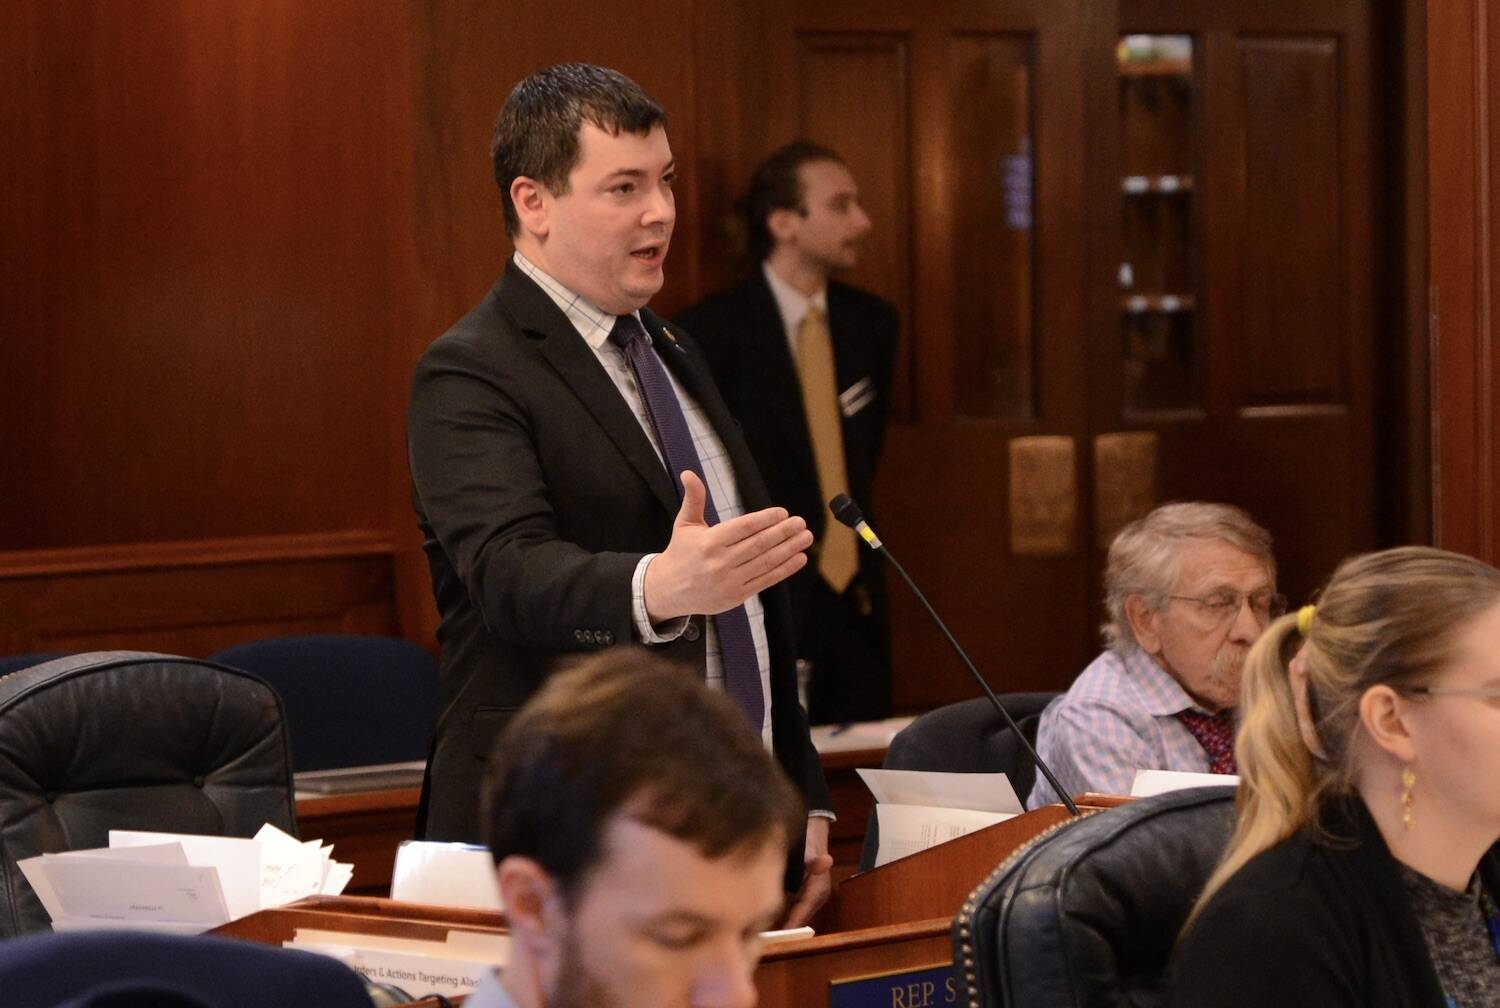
x=1118 y=717
x=594 y=326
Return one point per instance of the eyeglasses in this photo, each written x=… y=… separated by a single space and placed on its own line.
x=1222 y=606
x=1479 y=692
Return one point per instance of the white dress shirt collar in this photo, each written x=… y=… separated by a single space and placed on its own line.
x=593 y=324
x=793 y=304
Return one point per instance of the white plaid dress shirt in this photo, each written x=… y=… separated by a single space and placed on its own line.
x=1118 y=717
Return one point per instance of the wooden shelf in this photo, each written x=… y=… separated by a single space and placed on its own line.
x=1157 y=68
x=1163 y=304
x=1141 y=185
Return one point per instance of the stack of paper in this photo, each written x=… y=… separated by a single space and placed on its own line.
x=180 y=883
x=919 y=809
x=446 y=874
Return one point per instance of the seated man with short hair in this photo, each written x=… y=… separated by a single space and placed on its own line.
x=640 y=831
x=1188 y=589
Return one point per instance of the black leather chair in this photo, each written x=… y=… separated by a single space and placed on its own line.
x=124 y=968
x=351 y=700
x=965 y=737
x=129 y=740
x=1087 y=914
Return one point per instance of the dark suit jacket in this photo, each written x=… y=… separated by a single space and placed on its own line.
x=538 y=493
x=1320 y=920
x=742 y=335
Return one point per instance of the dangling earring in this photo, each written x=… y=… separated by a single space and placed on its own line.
x=1408 y=781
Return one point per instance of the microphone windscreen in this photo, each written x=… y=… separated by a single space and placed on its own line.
x=845 y=510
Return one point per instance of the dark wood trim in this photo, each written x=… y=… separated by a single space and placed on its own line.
x=194 y=597
x=1459 y=232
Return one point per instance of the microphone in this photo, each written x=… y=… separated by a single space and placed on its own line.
x=848 y=513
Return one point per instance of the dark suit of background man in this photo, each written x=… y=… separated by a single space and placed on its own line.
x=537 y=453
x=813 y=436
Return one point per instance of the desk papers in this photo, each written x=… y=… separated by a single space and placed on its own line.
x=920 y=809
x=1150 y=782
x=419 y=967
x=179 y=883
x=447 y=874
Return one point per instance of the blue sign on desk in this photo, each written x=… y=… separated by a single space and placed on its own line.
x=932 y=987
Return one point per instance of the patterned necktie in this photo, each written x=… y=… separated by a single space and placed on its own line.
x=838 y=553
x=736 y=645
x=1215 y=733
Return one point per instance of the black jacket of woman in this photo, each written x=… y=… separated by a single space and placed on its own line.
x=1321 y=919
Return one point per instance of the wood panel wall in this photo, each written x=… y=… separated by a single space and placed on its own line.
x=1462 y=116
x=207 y=260
x=229 y=229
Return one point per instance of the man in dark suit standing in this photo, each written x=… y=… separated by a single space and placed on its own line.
x=804 y=363
x=577 y=477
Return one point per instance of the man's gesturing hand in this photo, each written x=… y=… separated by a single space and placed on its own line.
x=712 y=570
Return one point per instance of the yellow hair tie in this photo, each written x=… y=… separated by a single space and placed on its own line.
x=1305 y=618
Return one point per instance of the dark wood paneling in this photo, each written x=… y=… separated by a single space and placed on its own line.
x=1293 y=343
x=853 y=92
x=203 y=267
x=192 y=598
x=1459 y=237
x=994 y=241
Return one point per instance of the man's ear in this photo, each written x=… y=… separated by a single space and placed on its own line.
x=533 y=203
x=533 y=904
x=1382 y=713
x=783 y=224
x=1143 y=619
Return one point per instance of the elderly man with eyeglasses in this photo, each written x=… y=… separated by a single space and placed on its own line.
x=1188 y=589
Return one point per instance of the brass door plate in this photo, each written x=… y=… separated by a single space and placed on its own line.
x=1043 y=496
x=1124 y=481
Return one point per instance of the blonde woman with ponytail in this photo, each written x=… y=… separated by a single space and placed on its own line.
x=1364 y=868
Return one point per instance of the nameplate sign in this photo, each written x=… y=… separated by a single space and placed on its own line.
x=931 y=987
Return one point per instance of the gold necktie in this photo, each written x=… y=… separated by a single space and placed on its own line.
x=838 y=553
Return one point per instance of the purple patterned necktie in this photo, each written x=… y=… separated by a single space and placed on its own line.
x=736 y=645
x=1215 y=733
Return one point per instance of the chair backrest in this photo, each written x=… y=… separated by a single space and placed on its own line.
x=130 y=968
x=1087 y=914
x=17 y=662
x=130 y=740
x=965 y=737
x=350 y=700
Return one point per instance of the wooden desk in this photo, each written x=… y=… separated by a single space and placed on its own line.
x=792 y=974
x=852 y=803
x=897 y=921
x=366 y=827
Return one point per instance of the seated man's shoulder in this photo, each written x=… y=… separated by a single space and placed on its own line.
x=1102 y=680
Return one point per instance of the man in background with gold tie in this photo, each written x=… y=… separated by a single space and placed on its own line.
x=804 y=363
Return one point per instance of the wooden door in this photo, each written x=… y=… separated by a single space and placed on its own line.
x=996 y=148
x=1260 y=386
x=962 y=124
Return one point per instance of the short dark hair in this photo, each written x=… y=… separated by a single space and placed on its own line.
x=776 y=186
x=629 y=733
x=536 y=135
